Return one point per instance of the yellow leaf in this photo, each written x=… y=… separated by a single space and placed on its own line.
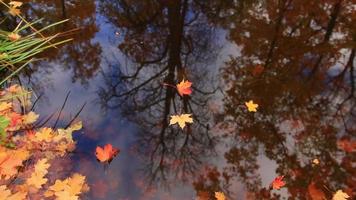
x=316 y=161
x=15 y=4
x=14 y=11
x=37 y=177
x=181 y=119
x=67 y=133
x=69 y=188
x=6 y=194
x=10 y=160
x=5 y=106
x=30 y=118
x=219 y=196
x=340 y=195
x=45 y=134
x=252 y=107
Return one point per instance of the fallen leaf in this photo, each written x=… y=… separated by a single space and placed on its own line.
x=107 y=153
x=5 y=106
x=340 y=195
x=68 y=189
x=251 y=107
x=6 y=194
x=15 y=4
x=14 y=8
x=184 y=88
x=219 y=196
x=37 y=178
x=10 y=160
x=278 y=182
x=181 y=119
x=44 y=134
x=15 y=119
x=316 y=161
x=30 y=118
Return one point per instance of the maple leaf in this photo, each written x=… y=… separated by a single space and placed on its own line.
x=252 y=107
x=37 y=177
x=278 y=182
x=6 y=194
x=340 y=195
x=30 y=118
x=45 y=134
x=67 y=133
x=107 y=153
x=184 y=88
x=67 y=189
x=14 y=8
x=15 y=120
x=5 y=106
x=181 y=119
x=10 y=160
x=316 y=161
x=219 y=196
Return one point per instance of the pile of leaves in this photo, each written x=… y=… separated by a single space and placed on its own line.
x=26 y=153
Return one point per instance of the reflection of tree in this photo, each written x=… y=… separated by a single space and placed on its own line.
x=82 y=56
x=289 y=52
x=165 y=42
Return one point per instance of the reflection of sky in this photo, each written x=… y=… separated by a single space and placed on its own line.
x=123 y=178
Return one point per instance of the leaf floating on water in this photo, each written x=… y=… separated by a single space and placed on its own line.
x=251 y=107
x=278 y=182
x=37 y=178
x=181 y=119
x=316 y=161
x=30 y=118
x=219 y=196
x=184 y=88
x=14 y=8
x=5 y=193
x=340 y=195
x=107 y=153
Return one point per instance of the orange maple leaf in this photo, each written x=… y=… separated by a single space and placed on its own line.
x=184 y=88
x=15 y=119
x=278 y=182
x=107 y=153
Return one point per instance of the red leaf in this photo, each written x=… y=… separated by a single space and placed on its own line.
x=107 y=153
x=184 y=88
x=278 y=182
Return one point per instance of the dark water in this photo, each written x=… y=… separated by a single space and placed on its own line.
x=296 y=59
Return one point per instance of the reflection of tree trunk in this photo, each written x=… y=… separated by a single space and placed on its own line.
x=329 y=30
x=64 y=15
x=275 y=36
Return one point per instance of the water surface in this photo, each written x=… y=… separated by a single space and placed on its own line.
x=294 y=58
